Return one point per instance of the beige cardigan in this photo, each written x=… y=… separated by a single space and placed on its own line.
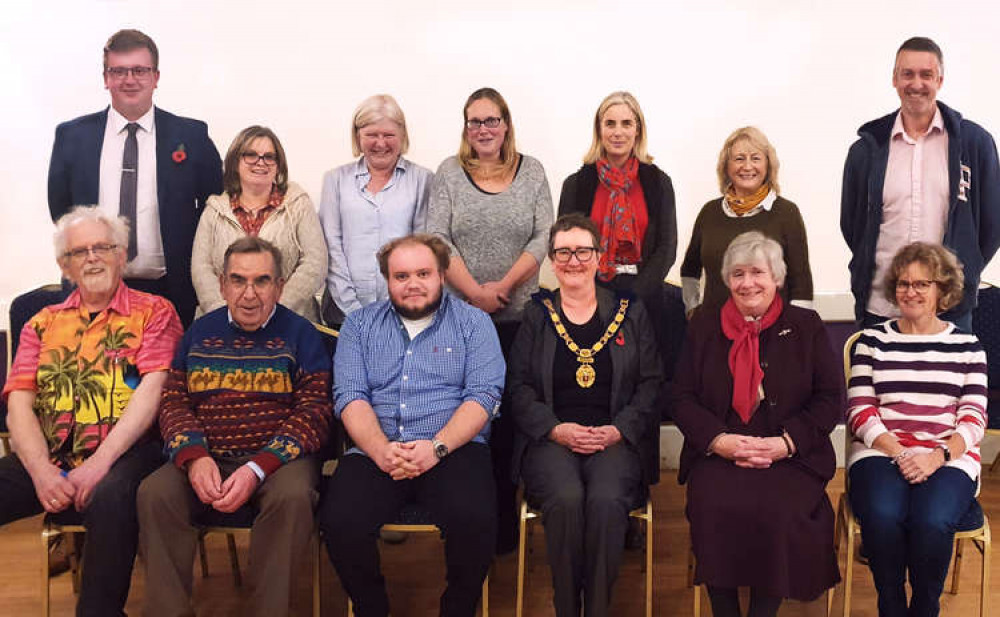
x=293 y=227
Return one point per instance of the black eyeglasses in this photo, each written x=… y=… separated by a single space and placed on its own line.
x=121 y=72
x=101 y=250
x=583 y=254
x=473 y=124
x=252 y=158
x=919 y=286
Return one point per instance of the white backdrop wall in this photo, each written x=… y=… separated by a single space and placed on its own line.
x=807 y=73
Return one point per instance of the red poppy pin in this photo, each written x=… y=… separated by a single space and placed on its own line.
x=179 y=154
x=620 y=339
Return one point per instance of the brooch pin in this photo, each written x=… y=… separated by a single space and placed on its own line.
x=785 y=331
x=179 y=155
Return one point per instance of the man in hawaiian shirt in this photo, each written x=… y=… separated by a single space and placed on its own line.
x=82 y=396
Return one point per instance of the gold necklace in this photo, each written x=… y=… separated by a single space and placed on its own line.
x=585 y=373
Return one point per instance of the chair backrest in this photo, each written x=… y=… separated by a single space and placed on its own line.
x=986 y=327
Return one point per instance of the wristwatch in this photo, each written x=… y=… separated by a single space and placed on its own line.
x=440 y=450
x=947 y=452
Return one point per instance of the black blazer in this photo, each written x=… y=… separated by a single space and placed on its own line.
x=659 y=247
x=635 y=381
x=182 y=188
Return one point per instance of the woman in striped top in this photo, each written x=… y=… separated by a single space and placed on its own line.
x=917 y=411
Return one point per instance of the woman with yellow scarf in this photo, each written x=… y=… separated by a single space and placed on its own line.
x=748 y=179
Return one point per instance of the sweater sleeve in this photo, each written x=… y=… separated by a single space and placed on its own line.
x=203 y=274
x=798 y=280
x=307 y=427
x=863 y=417
x=537 y=245
x=182 y=431
x=655 y=270
x=307 y=276
x=987 y=186
x=440 y=206
x=971 y=418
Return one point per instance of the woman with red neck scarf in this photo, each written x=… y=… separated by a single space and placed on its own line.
x=756 y=394
x=631 y=201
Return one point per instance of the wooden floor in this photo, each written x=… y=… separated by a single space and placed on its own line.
x=415 y=574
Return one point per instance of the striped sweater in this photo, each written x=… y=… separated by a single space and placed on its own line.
x=922 y=388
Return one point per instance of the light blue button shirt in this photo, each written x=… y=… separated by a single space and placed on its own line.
x=357 y=223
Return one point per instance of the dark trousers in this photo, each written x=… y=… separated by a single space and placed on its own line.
x=110 y=519
x=502 y=454
x=457 y=492
x=585 y=501
x=908 y=527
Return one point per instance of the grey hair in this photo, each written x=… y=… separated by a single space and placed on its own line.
x=752 y=246
x=117 y=225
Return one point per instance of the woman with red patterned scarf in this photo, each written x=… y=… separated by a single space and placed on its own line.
x=630 y=199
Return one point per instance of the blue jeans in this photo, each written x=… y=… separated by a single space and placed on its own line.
x=908 y=527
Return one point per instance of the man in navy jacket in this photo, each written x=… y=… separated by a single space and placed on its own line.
x=920 y=173
x=178 y=167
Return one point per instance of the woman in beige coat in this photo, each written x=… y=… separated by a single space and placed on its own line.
x=259 y=200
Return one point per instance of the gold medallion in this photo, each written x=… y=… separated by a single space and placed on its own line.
x=586 y=375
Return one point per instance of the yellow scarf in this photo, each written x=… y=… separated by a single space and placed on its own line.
x=742 y=205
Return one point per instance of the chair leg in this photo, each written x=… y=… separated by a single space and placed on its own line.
x=956 y=569
x=350 y=607
x=851 y=529
x=649 y=559
x=697 y=601
x=234 y=559
x=202 y=554
x=74 y=542
x=46 y=535
x=317 y=565
x=984 y=600
x=486 y=596
x=521 y=542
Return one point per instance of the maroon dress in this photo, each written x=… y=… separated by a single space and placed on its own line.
x=770 y=529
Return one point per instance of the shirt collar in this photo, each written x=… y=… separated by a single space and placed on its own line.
x=361 y=169
x=937 y=124
x=232 y=322
x=766 y=205
x=119 y=302
x=119 y=122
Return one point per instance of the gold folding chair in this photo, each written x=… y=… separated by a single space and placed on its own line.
x=643 y=513
x=50 y=531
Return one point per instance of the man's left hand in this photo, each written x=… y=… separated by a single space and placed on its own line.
x=236 y=490
x=419 y=457
x=85 y=478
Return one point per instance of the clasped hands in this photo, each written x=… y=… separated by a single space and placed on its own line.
x=750 y=452
x=228 y=496
x=58 y=490
x=405 y=460
x=585 y=439
x=492 y=297
x=916 y=467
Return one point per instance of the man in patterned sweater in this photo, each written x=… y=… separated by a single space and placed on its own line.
x=245 y=405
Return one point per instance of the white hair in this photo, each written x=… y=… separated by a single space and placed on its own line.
x=117 y=226
x=753 y=246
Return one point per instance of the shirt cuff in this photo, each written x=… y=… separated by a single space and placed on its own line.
x=254 y=467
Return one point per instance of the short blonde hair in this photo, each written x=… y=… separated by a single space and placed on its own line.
x=467 y=156
x=752 y=246
x=375 y=109
x=944 y=267
x=619 y=98
x=758 y=140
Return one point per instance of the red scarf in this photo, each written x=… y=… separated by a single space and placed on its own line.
x=620 y=242
x=744 y=355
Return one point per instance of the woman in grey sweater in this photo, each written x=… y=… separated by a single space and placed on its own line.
x=493 y=207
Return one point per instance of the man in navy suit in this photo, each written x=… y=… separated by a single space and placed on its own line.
x=174 y=167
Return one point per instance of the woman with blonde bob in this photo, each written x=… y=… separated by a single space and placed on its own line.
x=366 y=203
x=492 y=206
x=748 y=179
x=756 y=394
x=259 y=200
x=917 y=414
x=629 y=198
